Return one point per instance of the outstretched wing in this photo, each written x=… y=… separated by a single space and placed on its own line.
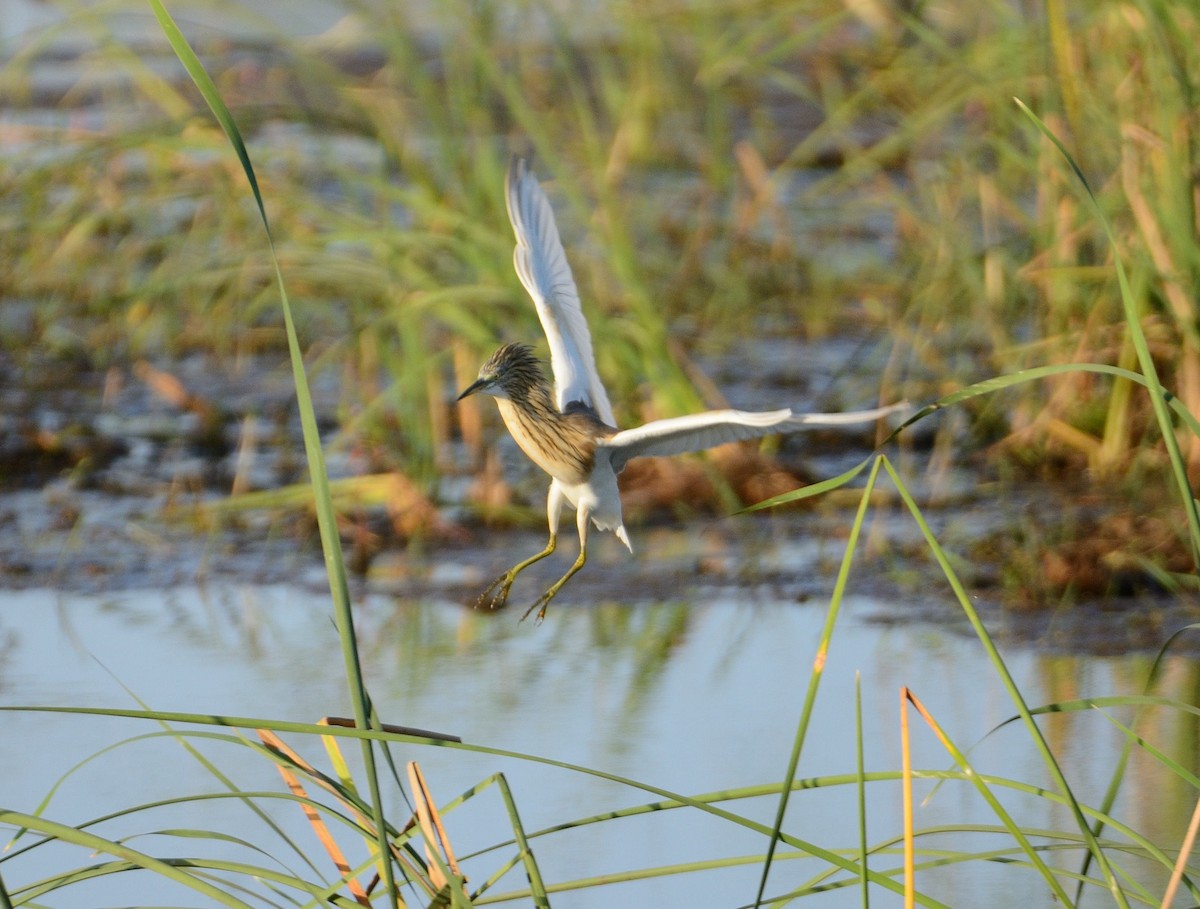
x=697 y=432
x=543 y=268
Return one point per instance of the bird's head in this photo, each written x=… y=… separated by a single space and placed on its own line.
x=511 y=372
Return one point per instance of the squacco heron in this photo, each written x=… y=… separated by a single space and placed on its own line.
x=569 y=430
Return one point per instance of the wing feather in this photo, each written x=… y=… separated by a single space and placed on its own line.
x=542 y=266
x=697 y=432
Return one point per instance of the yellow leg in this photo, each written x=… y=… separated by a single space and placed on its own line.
x=495 y=596
x=581 y=520
x=544 y=600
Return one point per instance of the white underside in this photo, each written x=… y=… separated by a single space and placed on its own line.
x=597 y=500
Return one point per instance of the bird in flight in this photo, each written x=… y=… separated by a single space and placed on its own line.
x=569 y=430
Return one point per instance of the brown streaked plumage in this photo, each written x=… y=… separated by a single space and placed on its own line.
x=561 y=443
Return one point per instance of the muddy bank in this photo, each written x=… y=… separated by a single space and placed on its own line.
x=153 y=477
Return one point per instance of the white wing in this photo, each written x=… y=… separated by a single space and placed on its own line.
x=696 y=432
x=542 y=267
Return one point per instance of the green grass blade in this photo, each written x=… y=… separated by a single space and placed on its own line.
x=993 y=803
x=536 y=885
x=69 y=834
x=1118 y=775
x=224 y=871
x=1158 y=754
x=814 y=679
x=813 y=489
x=862 y=789
x=260 y=795
x=1140 y=345
x=326 y=519
x=985 y=387
x=250 y=800
x=1132 y=841
x=217 y=774
x=1007 y=680
x=827 y=855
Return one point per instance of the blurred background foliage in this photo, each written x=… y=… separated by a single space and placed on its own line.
x=720 y=171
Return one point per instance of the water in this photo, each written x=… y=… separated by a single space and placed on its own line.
x=692 y=696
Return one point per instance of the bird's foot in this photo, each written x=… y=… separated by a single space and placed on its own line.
x=543 y=601
x=495 y=595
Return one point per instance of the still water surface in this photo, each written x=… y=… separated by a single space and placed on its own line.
x=691 y=697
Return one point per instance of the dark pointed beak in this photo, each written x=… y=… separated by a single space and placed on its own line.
x=471 y=389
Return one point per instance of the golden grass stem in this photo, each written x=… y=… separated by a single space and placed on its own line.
x=1181 y=862
x=906 y=795
x=437 y=843
x=320 y=828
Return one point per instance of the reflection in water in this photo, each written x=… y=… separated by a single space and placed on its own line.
x=689 y=697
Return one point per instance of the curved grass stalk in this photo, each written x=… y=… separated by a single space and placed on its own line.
x=326 y=519
x=537 y=887
x=861 y=789
x=1118 y=776
x=938 y=859
x=181 y=737
x=813 y=849
x=205 y=869
x=1010 y=685
x=257 y=795
x=287 y=764
x=993 y=803
x=1179 y=874
x=1141 y=702
x=131 y=858
x=985 y=387
x=1133 y=325
x=1137 y=845
x=814 y=679
x=932 y=860
x=321 y=891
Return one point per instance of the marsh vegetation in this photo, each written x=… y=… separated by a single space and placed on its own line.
x=722 y=174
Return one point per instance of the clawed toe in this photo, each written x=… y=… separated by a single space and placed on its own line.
x=495 y=595
x=543 y=602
